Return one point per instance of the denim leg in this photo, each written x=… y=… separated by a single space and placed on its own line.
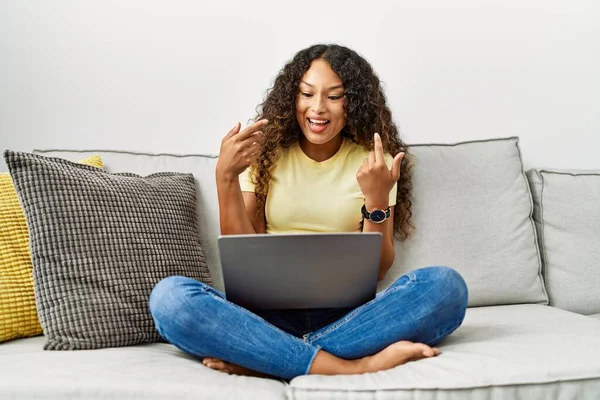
x=425 y=305
x=198 y=320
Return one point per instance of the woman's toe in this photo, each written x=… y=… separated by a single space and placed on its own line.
x=425 y=350
x=220 y=365
x=214 y=363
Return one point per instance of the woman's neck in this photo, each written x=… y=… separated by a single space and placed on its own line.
x=321 y=152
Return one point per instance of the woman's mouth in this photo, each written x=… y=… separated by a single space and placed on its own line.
x=318 y=125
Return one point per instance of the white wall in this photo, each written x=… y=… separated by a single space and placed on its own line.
x=174 y=76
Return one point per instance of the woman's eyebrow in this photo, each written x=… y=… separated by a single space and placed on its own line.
x=330 y=88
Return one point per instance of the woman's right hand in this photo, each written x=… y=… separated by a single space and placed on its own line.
x=239 y=148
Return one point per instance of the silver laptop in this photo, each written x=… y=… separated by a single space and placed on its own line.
x=288 y=271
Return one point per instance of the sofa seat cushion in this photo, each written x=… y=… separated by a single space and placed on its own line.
x=152 y=371
x=500 y=352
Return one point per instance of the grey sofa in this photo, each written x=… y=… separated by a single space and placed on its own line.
x=526 y=242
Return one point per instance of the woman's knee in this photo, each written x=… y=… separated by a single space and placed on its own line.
x=449 y=281
x=169 y=295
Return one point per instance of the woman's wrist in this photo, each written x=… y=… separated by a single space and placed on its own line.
x=226 y=178
x=377 y=204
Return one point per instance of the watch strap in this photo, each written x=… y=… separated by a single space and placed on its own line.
x=367 y=215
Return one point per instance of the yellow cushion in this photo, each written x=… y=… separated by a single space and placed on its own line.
x=18 y=316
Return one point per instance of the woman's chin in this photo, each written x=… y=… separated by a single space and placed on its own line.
x=317 y=138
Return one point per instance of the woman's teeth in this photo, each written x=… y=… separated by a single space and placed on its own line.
x=317 y=122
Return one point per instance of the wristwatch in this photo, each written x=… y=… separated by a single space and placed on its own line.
x=376 y=216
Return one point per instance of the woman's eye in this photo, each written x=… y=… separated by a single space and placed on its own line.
x=306 y=94
x=335 y=97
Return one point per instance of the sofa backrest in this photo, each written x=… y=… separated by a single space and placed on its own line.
x=472 y=210
x=567 y=214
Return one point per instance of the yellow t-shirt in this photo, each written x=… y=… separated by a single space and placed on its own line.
x=309 y=196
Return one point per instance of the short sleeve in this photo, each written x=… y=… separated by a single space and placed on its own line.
x=246 y=183
x=393 y=193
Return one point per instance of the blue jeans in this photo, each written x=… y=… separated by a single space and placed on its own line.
x=425 y=305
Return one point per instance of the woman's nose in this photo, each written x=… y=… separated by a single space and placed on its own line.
x=318 y=105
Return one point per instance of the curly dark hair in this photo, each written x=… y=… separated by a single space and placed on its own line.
x=366 y=112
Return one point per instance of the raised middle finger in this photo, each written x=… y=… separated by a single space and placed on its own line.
x=378 y=149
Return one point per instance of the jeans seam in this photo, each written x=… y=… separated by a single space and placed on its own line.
x=358 y=310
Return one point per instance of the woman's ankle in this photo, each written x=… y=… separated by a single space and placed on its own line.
x=327 y=364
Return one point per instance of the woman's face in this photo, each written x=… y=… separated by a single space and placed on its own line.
x=320 y=103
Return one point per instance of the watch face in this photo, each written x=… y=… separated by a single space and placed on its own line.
x=377 y=216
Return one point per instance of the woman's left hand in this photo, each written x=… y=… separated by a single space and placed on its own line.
x=375 y=179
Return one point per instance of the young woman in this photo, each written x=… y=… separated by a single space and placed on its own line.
x=323 y=156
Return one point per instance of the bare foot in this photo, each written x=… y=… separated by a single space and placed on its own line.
x=229 y=368
x=397 y=354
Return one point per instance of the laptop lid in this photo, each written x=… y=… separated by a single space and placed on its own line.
x=290 y=271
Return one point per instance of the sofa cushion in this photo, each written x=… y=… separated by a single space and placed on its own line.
x=596 y=316
x=18 y=316
x=524 y=351
x=472 y=211
x=152 y=371
x=502 y=352
x=201 y=166
x=100 y=242
x=567 y=214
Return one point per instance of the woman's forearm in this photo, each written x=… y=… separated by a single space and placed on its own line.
x=233 y=217
x=387 y=247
